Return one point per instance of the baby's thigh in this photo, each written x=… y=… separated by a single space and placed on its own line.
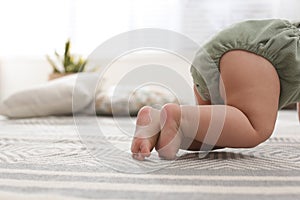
x=251 y=84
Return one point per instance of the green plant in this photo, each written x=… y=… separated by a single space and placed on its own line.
x=67 y=63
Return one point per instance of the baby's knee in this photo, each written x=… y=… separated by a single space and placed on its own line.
x=262 y=134
x=266 y=132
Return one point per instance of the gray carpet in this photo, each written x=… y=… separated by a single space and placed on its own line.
x=47 y=158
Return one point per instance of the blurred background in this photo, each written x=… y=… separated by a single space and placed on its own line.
x=33 y=28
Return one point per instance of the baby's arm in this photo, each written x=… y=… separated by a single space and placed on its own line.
x=298 y=109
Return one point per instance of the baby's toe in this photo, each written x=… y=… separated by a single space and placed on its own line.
x=146 y=148
x=167 y=153
x=141 y=148
x=135 y=145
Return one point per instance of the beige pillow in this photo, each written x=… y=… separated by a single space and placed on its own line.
x=125 y=101
x=52 y=98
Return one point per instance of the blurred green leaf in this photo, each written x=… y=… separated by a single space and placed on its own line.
x=55 y=70
x=68 y=61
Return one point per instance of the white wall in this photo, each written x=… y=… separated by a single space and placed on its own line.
x=18 y=73
x=35 y=28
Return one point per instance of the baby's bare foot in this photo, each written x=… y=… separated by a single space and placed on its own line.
x=170 y=137
x=146 y=133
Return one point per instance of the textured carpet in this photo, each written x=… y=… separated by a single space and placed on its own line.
x=47 y=158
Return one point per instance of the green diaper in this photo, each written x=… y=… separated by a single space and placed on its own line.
x=276 y=40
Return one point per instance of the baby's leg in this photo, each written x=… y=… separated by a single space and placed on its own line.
x=248 y=118
x=146 y=133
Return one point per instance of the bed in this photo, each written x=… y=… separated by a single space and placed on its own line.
x=46 y=158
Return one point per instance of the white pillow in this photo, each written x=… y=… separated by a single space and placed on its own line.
x=125 y=101
x=52 y=98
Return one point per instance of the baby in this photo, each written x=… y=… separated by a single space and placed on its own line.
x=242 y=77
